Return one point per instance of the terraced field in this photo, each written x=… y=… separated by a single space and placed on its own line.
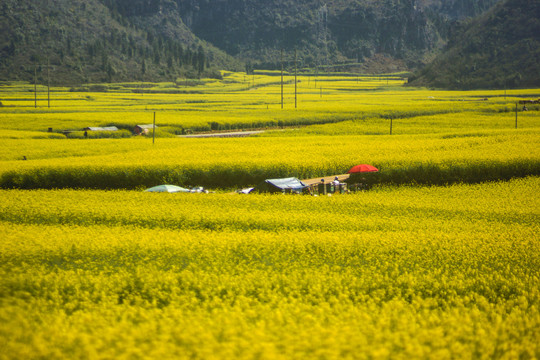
x=439 y=260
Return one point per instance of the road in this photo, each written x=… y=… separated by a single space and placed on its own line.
x=224 y=134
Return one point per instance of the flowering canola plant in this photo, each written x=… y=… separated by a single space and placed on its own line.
x=228 y=163
x=438 y=137
x=414 y=271
x=408 y=272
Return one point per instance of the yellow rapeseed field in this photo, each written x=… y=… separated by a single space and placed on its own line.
x=239 y=102
x=410 y=272
x=225 y=163
x=91 y=267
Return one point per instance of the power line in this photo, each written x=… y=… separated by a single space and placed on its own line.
x=322 y=30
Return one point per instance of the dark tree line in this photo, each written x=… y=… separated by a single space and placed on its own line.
x=155 y=50
x=89 y=42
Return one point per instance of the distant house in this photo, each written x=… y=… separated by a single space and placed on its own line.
x=529 y=101
x=106 y=128
x=143 y=129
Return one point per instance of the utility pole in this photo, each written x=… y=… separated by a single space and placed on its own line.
x=295 y=87
x=143 y=71
x=48 y=83
x=154 y=131
x=48 y=86
x=316 y=74
x=35 y=86
x=516 y=113
x=282 y=78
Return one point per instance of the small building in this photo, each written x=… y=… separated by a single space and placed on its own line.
x=143 y=129
x=105 y=128
x=529 y=101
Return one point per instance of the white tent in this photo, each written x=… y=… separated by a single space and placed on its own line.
x=167 y=188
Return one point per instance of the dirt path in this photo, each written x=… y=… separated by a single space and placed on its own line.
x=224 y=134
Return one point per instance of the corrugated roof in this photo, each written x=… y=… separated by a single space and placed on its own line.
x=106 y=128
x=146 y=126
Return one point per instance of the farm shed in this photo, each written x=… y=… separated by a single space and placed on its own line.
x=106 y=128
x=529 y=101
x=143 y=129
x=284 y=185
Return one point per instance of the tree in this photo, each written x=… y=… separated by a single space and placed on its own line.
x=143 y=68
x=201 y=59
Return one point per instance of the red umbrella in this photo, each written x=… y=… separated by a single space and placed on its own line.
x=362 y=168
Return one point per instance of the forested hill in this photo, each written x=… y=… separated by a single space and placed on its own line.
x=379 y=35
x=92 y=41
x=121 y=40
x=499 y=49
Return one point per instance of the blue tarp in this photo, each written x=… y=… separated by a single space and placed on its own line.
x=282 y=185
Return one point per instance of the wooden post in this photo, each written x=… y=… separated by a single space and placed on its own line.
x=35 y=86
x=154 y=132
x=390 y=126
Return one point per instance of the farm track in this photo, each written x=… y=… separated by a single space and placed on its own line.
x=223 y=134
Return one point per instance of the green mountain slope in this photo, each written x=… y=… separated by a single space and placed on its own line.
x=88 y=41
x=499 y=49
x=133 y=40
x=406 y=32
